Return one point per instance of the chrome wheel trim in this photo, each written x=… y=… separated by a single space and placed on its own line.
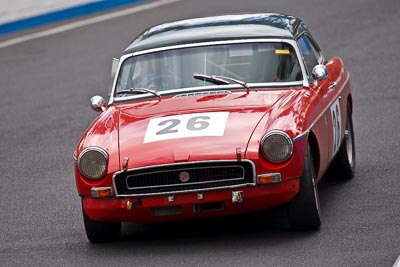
x=316 y=195
x=349 y=143
x=315 y=186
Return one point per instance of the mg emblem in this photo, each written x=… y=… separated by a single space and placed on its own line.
x=184 y=177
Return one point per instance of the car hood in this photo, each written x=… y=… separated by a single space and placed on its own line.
x=192 y=128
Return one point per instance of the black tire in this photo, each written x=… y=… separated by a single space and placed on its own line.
x=344 y=164
x=304 y=210
x=100 y=232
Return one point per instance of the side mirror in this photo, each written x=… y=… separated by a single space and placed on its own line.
x=98 y=103
x=319 y=73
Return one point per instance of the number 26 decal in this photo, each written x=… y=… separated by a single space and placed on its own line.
x=193 y=124
x=187 y=125
x=336 y=125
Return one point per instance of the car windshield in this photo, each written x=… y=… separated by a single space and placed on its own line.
x=174 y=69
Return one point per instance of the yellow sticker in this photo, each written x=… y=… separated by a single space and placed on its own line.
x=282 y=51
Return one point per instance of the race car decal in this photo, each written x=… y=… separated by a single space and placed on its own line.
x=336 y=125
x=188 y=125
x=282 y=51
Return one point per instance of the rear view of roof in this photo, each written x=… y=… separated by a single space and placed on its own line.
x=216 y=28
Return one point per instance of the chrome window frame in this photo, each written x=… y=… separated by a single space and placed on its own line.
x=304 y=83
x=321 y=59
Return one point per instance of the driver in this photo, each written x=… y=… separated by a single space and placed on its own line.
x=152 y=72
x=143 y=75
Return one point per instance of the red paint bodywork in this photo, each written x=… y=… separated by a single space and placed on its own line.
x=303 y=113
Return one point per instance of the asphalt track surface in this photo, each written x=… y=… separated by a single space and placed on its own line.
x=45 y=89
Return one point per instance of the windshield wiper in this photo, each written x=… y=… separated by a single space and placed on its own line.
x=216 y=79
x=139 y=90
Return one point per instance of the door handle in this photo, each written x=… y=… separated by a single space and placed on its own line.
x=332 y=85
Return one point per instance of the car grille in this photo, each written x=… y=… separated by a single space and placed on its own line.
x=167 y=178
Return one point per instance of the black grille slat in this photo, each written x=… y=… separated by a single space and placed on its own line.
x=172 y=177
x=165 y=178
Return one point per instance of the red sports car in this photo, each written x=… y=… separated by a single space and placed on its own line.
x=216 y=116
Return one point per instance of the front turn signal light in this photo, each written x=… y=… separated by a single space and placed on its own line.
x=99 y=192
x=269 y=178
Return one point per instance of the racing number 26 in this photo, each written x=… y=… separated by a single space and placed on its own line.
x=186 y=125
x=193 y=124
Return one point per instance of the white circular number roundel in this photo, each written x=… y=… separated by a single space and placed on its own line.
x=187 y=125
x=336 y=125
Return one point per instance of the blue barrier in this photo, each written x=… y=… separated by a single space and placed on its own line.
x=64 y=14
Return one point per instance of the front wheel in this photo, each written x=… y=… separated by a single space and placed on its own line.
x=344 y=164
x=100 y=232
x=304 y=210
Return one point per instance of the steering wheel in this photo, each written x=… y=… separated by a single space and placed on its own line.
x=168 y=79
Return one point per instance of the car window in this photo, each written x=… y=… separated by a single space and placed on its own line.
x=174 y=69
x=310 y=53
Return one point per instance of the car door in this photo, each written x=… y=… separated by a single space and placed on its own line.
x=328 y=124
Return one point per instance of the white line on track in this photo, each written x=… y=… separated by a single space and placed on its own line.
x=85 y=22
x=397 y=263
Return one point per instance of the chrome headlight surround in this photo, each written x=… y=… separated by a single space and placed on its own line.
x=276 y=146
x=92 y=163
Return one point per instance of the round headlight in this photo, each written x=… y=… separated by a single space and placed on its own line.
x=276 y=146
x=92 y=162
